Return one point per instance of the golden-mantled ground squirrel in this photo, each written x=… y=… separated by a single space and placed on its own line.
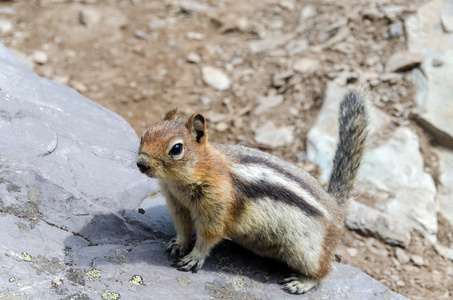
x=261 y=202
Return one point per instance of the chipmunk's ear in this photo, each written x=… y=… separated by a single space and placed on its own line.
x=171 y=114
x=197 y=127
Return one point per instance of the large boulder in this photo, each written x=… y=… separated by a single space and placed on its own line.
x=80 y=222
x=428 y=33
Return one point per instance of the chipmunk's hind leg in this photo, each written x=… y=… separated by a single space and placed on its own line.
x=298 y=284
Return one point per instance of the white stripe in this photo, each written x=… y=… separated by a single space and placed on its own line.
x=254 y=173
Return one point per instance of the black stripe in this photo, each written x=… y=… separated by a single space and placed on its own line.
x=263 y=189
x=261 y=161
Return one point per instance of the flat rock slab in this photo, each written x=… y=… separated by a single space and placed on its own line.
x=80 y=222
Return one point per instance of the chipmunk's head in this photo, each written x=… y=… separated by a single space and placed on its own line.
x=170 y=148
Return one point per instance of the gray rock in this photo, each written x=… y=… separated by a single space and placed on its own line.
x=270 y=43
x=434 y=90
x=140 y=34
x=271 y=136
x=369 y=221
x=279 y=79
x=394 y=175
x=79 y=221
x=403 y=61
x=396 y=29
x=332 y=29
x=215 y=78
x=266 y=103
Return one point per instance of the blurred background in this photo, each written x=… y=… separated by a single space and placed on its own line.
x=268 y=74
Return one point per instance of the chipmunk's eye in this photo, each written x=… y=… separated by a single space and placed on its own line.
x=176 y=150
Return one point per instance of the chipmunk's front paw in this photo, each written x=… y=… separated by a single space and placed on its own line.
x=298 y=284
x=191 y=262
x=176 y=249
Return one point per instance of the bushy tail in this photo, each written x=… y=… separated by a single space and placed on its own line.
x=353 y=118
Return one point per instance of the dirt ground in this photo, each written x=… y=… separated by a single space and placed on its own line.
x=141 y=58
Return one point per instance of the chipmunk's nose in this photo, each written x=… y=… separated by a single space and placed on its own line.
x=142 y=164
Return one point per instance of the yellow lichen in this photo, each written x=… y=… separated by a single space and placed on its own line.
x=137 y=279
x=93 y=273
x=26 y=256
x=12 y=279
x=19 y=285
x=109 y=295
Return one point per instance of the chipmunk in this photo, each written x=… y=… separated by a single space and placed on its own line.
x=258 y=200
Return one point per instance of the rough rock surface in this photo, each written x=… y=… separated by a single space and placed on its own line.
x=369 y=221
x=434 y=85
x=393 y=174
x=76 y=220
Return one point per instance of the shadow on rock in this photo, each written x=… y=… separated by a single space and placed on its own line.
x=140 y=236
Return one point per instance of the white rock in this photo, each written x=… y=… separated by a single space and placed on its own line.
x=402 y=256
x=195 y=36
x=268 y=102
x=39 y=57
x=404 y=60
x=425 y=35
x=393 y=174
x=79 y=86
x=193 y=58
x=287 y=4
x=271 y=136
x=445 y=185
x=194 y=7
x=307 y=12
x=157 y=24
x=352 y=251
x=6 y=26
x=306 y=65
x=418 y=260
x=89 y=16
x=445 y=252
x=447 y=24
x=215 y=78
